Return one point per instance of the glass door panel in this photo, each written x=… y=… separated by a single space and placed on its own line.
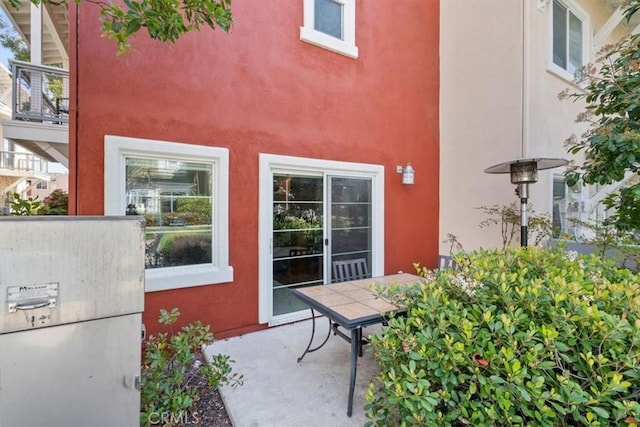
x=351 y=219
x=298 y=258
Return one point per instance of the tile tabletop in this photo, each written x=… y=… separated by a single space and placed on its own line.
x=355 y=299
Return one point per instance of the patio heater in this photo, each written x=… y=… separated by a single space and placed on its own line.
x=524 y=172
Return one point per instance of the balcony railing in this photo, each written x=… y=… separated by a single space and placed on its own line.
x=20 y=161
x=40 y=93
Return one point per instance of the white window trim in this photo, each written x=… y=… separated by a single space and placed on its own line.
x=345 y=47
x=116 y=148
x=270 y=163
x=573 y=7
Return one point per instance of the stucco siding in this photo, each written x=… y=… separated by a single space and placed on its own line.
x=262 y=90
x=499 y=102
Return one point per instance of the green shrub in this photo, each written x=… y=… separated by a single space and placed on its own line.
x=54 y=204
x=185 y=218
x=185 y=249
x=527 y=337
x=195 y=210
x=169 y=218
x=172 y=372
x=57 y=202
x=29 y=206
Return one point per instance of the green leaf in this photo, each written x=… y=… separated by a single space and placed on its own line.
x=496 y=379
x=524 y=394
x=133 y=25
x=602 y=413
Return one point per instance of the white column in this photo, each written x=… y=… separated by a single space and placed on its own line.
x=526 y=90
x=36 y=34
x=36 y=58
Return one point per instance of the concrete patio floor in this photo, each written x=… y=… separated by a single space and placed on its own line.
x=280 y=392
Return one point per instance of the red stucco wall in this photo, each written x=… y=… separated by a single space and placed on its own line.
x=261 y=89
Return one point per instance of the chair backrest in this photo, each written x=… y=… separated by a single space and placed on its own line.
x=350 y=269
x=445 y=261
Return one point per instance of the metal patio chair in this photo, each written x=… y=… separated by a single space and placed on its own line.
x=445 y=261
x=350 y=269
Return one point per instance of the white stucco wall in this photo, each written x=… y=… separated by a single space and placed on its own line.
x=480 y=112
x=491 y=112
x=551 y=120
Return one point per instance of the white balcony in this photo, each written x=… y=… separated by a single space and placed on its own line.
x=40 y=99
x=40 y=111
x=20 y=172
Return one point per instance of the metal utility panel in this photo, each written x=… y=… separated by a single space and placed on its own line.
x=71 y=375
x=71 y=298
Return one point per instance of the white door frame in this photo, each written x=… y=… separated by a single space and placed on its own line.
x=289 y=164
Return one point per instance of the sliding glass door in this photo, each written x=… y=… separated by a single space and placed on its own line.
x=351 y=220
x=302 y=251
x=298 y=230
x=312 y=213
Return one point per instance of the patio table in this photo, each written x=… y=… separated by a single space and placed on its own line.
x=351 y=305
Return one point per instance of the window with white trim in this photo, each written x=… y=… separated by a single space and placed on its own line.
x=331 y=24
x=569 y=38
x=181 y=191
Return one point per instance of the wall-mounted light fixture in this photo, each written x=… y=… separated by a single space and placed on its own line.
x=522 y=173
x=407 y=173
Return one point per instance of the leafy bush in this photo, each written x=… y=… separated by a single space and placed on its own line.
x=303 y=230
x=57 y=202
x=184 y=249
x=171 y=370
x=196 y=218
x=54 y=204
x=290 y=222
x=29 y=206
x=610 y=142
x=622 y=246
x=527 y=337
x=195 y=211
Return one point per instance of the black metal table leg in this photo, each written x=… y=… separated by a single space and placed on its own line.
x=313 y=332
x=355 y=349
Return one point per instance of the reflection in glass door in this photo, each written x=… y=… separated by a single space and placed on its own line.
x=351 y=219
x=300 y=255
x=297 y=238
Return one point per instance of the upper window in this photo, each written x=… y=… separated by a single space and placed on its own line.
x=181 y=191
x=569 y=38
x=331 y=24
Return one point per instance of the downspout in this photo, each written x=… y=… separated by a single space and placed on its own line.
x=77 y=101
x=74 y=20
x=524 y=125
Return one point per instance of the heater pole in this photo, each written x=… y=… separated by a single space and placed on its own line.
x=524 y=195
